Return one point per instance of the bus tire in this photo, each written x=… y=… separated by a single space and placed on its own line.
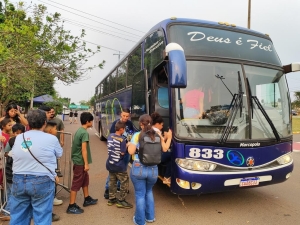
x=101 y=134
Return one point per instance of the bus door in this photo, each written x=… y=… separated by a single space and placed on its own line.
x=159 y=97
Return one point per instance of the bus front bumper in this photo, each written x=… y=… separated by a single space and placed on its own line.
x=188 y=182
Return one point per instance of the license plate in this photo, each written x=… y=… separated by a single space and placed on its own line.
x=251 y=181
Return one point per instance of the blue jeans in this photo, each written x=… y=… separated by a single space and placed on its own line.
x=143 y=179
x=31 y=195
x=126 y=159
x=8 y=192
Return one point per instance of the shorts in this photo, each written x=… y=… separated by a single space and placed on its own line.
x=80 y=178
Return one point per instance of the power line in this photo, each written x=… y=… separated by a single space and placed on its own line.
x=96 y=16
x=67 y=19
x=76 y=24
x=101 y=46
x=87 y=18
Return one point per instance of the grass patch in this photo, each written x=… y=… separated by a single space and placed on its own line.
x=296 y=124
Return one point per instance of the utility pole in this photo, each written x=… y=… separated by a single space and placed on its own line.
x=119 y=54
x=249 y=13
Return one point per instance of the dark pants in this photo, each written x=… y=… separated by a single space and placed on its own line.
x=124 y=180
x=166 y=159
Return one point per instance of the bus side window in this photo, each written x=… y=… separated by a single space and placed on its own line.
x=162 y=97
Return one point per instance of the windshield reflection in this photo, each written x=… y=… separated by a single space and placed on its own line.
x=215 y=106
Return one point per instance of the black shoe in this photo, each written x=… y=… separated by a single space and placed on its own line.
x=58 y=173
x=74 y=209
x=55 y=217
x=106 y=194
x=112 y=201
x=89 y=201
x=124 y=204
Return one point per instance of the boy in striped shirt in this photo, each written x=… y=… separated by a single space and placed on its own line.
x=116 y=165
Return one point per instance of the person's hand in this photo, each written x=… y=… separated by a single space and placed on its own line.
x=56 y=179
x=61 y=143
x=86 y=167
x=17 y=112
x=168 y=134
x=2 y=138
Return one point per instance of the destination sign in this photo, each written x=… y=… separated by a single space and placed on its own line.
x=203 y=41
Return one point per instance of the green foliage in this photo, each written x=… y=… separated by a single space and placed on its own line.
x=35 y=49
x=296 y=103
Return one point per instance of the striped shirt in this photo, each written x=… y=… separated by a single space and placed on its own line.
x=116 y=145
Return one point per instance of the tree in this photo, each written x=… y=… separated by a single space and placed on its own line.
x=296 y=103
x=92 y=101
x=34 y=46
x=83 y=102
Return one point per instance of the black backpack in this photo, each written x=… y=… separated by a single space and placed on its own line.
x=149 y=151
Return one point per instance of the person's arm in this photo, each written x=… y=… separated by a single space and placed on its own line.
x=58 y=148
x=166 y=145
x=62 y=138
x=201 y=110
x=84 y=156
x=131 y=148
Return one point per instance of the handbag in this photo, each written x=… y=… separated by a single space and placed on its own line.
x=36 y=158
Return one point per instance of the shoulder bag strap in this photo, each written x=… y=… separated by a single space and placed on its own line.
x=35 y=157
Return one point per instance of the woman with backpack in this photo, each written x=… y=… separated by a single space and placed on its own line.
x=144 y=169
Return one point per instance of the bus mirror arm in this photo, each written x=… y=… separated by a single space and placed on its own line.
x=293 y=67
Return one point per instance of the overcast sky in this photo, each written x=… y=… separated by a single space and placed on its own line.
x=280 y=19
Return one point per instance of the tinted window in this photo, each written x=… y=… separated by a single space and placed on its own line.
x=121 y=81
x=134 y=64
x=202 y=41
x=112 y=81
x=105 y=86
x=153 y=50
x=162 y=96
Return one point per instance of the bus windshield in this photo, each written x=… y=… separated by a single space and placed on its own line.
x=217 y=98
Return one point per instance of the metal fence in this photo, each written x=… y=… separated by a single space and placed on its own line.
x=64 y=165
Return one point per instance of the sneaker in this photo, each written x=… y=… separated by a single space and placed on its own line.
x=75 y=209
x=89 y=201
x=106 y=194
x=57 y=201
x=167 y=180
x=55 y=217
x=150 y=221
x=123 y=204
x=58 y=173
x=112 y=201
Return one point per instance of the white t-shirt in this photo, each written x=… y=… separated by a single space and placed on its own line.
x=45 y=147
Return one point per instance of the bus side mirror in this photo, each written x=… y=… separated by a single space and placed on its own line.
x=294 y=67
x=177 y=66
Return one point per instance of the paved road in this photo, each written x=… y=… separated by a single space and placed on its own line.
x=277 y=204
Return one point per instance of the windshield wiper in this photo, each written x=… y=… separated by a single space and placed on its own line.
x=263 y=111
x=235 y=105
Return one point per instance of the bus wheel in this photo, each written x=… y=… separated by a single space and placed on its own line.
x=101 y=134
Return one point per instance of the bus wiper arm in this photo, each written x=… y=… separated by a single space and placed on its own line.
x=261 y=108
x=267 y=117
x=238 y=104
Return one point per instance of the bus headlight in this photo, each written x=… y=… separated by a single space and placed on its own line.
x=196 y=165
x=285 y=159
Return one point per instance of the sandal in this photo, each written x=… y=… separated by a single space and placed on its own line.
x=167 y=180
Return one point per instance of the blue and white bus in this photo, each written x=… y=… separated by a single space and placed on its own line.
x=243 y=135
